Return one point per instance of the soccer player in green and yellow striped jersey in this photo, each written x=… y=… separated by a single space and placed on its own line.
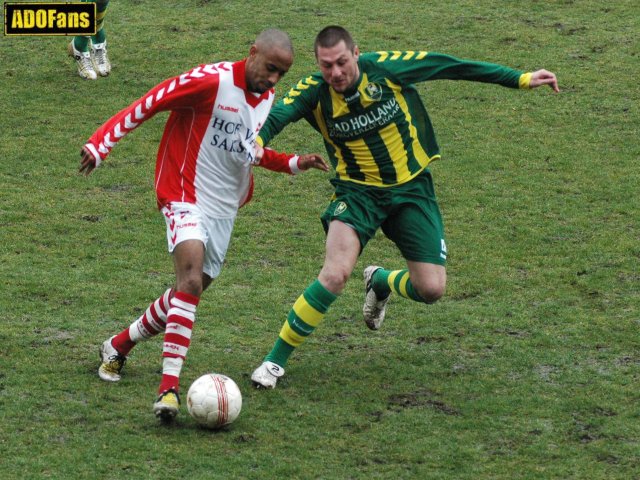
x=380 y=141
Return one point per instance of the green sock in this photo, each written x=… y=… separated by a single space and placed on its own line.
x=379 y=283
x=81 y=43
x=304 y=317
x=101 y=12
x=387 y=281
x=280 y=352
x=99 y=37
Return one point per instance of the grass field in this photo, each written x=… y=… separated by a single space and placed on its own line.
x=528 y=368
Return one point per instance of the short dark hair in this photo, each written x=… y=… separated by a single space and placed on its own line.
x=273 y=37
x=332 y=35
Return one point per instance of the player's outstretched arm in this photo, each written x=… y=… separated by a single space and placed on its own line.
x=544 y=77
x=289 y=163
x=87 y=161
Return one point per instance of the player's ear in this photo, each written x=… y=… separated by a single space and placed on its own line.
x=356 y=51
x=253 y=50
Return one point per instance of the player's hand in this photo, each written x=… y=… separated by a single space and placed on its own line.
x=312 y=160
x=87 y=161
x=258 y=153
x=544 y=77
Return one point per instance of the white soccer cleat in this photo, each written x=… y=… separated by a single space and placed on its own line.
x=83 y=62
x=374 y=308
x=266 y=375
x=112 y=362
x=100 y=58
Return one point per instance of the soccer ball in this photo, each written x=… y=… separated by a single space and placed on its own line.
x=214 y=400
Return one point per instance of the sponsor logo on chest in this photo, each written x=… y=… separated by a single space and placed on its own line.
x=234 y=124
x=231 y=136
x=357 y=124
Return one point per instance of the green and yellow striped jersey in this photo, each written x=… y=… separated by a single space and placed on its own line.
x=379 y=132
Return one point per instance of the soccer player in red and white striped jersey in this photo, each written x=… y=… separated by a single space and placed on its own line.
x=203 y=176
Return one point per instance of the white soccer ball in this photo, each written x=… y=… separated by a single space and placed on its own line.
x=214 y=400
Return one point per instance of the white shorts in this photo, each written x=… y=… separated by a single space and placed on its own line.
x=185 y=221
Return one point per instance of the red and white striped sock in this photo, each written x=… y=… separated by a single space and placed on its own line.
x=177 y=338
x=151 y=322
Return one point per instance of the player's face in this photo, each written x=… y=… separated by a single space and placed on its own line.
x=266 y=67
x=339 y=66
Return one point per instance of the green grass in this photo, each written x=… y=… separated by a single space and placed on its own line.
x=528 y=368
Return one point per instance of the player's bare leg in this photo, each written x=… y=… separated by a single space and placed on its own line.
x=429 y=280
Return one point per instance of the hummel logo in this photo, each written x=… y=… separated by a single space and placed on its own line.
x=228 y=109
x=352 y=98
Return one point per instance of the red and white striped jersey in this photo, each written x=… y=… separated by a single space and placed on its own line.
x=208 y=145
